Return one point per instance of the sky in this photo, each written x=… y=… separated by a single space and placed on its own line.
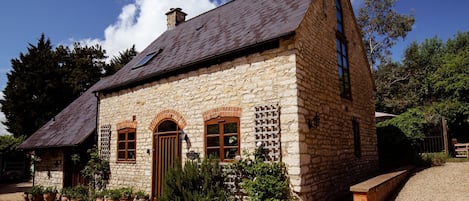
x=118 y=24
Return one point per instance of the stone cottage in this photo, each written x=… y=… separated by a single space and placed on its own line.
x=60 y=146
x=290 y=74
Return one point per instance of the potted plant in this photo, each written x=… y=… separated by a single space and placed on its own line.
x=35 y=193
x=25 y=196
x=141 y=196
x=100 y=195
x=79 y=193
x=113 y=195
x=49 y=193
x=126 y=194
x=65 y=194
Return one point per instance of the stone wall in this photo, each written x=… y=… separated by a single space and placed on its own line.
x=49 y=170
x=243 y=83
x=328 y=163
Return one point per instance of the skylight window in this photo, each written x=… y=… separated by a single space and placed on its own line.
x=146 y=59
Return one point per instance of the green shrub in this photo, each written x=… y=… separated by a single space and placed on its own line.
x=114 y=194
x=126 y=192
x=141 y=195
x=79 y=192
x=66 y=192
x=434 y=159
x=261 y=180
x=194 y=182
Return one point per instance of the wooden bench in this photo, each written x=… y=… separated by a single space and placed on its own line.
x=461 y=150
x=381 y=187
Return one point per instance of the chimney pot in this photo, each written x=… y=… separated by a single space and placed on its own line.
x=174 y=17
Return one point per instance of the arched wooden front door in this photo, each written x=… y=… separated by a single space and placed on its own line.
x=165 y=153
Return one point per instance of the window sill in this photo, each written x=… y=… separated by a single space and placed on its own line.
x=126 y=161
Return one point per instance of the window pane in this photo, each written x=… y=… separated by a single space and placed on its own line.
x=121 y=136
x=213 y=152
x=340 y=27
x=131 y=136
x=121 y=145
x=131 y=155
x=121 y=155
x=230 y=128
x=167 y=126
x=131 y=145
x=213 y=141
x=231 y=141
x=213 y=129
x=345 y=62
x=230 y=153
x=337 y=46
x=339 y=59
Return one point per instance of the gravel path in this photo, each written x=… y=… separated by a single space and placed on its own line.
x=443 y=183
x=14 y=192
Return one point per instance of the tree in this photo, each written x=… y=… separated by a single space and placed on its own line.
x=44 y=81
x=119 y=61
x=407 y=85
x=33 y=94
x=381 y=26
x=434 y=77
x=84 y=66
x=9 y=143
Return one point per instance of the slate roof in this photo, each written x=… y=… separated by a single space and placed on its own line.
x=235 y=26
x=71 y=126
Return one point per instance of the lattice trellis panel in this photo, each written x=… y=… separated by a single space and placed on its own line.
x=105 y=146
x=267 y=129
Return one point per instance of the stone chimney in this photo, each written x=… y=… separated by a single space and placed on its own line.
x=174 y=17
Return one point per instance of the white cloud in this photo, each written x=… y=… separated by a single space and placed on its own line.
x=142 y=22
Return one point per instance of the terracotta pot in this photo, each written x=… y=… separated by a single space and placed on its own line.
x=49 y=196
x=30 y=197
x=25 y=196
x=99 y=199
x=64 y=198
x=38 y=198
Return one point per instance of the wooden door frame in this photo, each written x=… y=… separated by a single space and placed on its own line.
x=155 y=143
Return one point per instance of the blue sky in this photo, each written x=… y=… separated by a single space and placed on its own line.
x=117 y=24
x=442 y=18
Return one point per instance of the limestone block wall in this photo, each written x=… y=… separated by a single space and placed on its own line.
x=328 y=163
x=49 y=170
x=262 y=78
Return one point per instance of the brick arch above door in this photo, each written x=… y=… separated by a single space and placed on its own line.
x=168 y=114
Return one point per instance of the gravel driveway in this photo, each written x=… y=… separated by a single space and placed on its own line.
x=446 y=183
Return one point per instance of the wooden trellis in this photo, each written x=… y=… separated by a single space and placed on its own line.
x=105 y=146
x=267 y=130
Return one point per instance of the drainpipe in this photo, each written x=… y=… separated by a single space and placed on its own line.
x=96 y=94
